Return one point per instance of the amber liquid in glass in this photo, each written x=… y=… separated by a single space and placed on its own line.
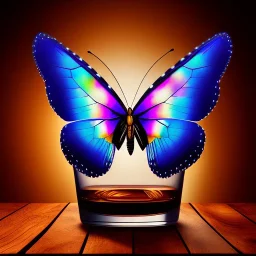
x=129 y=199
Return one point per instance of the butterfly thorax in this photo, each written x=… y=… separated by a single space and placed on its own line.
x=130 y=131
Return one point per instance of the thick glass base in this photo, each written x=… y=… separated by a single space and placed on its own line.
x=161 y=219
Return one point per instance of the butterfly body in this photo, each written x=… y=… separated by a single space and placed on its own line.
x=163 y=121
x=130 y=131
x=129 y=127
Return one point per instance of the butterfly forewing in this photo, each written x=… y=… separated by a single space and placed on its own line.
x=190 y=89
x=75 y=90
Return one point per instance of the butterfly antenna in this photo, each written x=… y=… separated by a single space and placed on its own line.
x=148 y=71
x=111 y=73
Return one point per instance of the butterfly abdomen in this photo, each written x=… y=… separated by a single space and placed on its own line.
x=130 y=143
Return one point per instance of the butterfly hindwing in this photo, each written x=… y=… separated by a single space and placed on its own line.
x=174 y=145
x=74 y=90
x=87 y=145
x=190 y=89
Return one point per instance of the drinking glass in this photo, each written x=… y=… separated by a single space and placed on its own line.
x=134 y=198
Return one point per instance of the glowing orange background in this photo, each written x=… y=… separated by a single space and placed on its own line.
x=129 y=36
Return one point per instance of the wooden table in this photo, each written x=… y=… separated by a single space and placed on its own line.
x=56 y=228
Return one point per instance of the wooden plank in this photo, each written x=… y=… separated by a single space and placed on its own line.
x=109 y=240
x=198 y=235
x=158 y=240
x=238 y=230
x=20 y=228
x=247 y=209
x=8 y=208
x=66 y=235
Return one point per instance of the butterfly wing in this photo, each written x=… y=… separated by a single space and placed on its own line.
x=190 y=89
x=175 y=145
x=78 y=93
x=74 y=90
x=186 y=92
x=87 y=145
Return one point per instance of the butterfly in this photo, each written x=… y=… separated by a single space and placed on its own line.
x=163 y=121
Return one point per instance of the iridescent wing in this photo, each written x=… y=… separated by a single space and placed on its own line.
x=87 y=145
x=175 y=145
x=186 y=92
x=74 y=90
x=77 y=92
x=190 y=89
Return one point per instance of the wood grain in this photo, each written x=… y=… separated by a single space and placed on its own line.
x=66 y=235
x=109 y=240
x=247 y=209
x=157 y=240
x=198 y=235
x=8 y=208
x=238 y=230
x=20 y=228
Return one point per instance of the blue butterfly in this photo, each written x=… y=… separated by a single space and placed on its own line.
x=163 y=121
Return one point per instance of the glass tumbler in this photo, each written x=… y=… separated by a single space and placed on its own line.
x=134 y=198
